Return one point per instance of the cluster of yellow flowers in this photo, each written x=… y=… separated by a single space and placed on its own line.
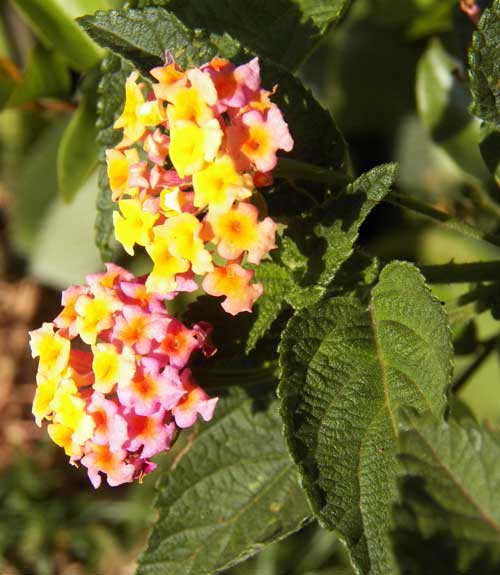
x=193 y=152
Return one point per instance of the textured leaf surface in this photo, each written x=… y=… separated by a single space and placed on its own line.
x=342 y=217
x=326 y=239
x=485 y=66
x=450 y=489
x=142 y=36
x=346 y=368
x=78 y=150
x=111 y=97
x=231 y=493
x=283 y=30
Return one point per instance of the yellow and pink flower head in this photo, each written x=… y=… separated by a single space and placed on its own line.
x=194 y=151
x=112 y=379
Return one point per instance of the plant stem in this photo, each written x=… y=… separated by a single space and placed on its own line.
x=296 y=170
x=478 y=294
x=488 y=347
x=462 y=273
x=450 y=222
x=469 y=305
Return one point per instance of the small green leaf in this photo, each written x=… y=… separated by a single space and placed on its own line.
x=78 y=151
x=449 y=493
x=277 y=282
x=484 y=60
x=443 y=102
x=346 y=368
x=231 y=493
x=325 y=239
x=53 y=22
x=283 y=30
x=45 y=76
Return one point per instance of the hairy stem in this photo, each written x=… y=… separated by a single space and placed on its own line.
x=462 y=273
x=295 y=170
x=449 y=221
x=487 y=347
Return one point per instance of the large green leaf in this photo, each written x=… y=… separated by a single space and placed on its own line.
x=233 y=491
x=443 y=102
x=285 y=31
x=53 y=22
x=484 y=61
x=325 y=239
x=346 y=368
x=449 y=496
x=78 y=151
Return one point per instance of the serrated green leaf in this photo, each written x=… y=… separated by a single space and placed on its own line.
x=45 y=76
x=283 y=30
x=346 y=368
x=232 y=492
x=53 y=22
x=277 y=282
x=326 y=237
x=443 y=102
x=142 y=36
x=111 y=98
x=484 y=60
x=449 y=492
x=77 y=156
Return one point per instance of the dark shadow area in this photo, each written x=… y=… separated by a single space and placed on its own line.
x=423 y=543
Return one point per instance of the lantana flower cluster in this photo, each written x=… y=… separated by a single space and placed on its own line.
x=113 y=380
x=194 y=151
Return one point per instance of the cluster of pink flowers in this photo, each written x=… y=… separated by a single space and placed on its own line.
x=194 y=151
x=112 y=379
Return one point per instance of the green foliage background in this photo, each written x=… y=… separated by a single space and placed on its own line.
x=357 y=430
